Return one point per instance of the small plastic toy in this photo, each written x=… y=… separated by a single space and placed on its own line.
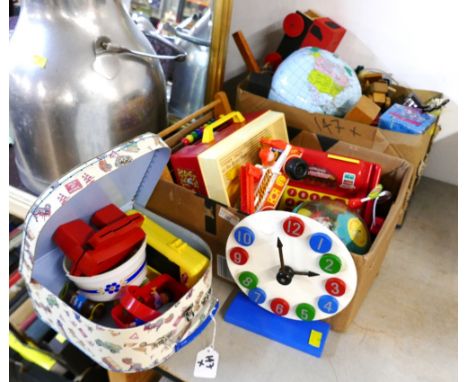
x=405 y=119
x=340 y=219
x=93 y=253
x=316 y=174
x=139 y=305
x=263 y=185
x=90 y=309
x=169 y=254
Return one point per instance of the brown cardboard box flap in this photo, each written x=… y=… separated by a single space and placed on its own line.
x=413 y=148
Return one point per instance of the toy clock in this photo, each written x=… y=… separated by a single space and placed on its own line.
x=291 y=265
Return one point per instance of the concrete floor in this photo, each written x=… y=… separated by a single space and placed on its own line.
x=406 y=329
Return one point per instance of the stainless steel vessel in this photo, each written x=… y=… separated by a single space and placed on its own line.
x=189 y=77
x=79 y=85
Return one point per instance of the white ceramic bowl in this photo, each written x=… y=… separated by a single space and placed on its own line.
x=107 y=285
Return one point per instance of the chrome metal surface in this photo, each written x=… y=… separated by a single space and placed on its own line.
x=190 y=76
x=68 y=104
x=104 y=45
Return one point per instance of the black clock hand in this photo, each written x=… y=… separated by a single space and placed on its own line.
x=279 y=245
x=307 y=273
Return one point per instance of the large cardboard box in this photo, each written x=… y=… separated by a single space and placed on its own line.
x=413 y=148
x=214 y=221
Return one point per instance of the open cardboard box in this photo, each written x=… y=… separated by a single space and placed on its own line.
x=213 y=221
x=413 y=148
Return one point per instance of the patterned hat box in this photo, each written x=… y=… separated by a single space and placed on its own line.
x=125 y=176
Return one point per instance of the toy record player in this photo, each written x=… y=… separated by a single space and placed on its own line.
x=286 y=296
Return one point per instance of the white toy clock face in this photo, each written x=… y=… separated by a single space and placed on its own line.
x=291 y=265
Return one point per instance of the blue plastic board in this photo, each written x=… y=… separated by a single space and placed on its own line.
x=309 y=337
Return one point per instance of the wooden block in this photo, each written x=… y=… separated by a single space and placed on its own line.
x=379 y=98
x=370 y=76
x=365 y=111
x=379 y=87
x=388 y=102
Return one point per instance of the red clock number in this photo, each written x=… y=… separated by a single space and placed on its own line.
x=335 y=286
x=279 y=306
x=293 y=226
x=239 y=255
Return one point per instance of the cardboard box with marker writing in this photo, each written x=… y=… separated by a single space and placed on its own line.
x=413 y=148
x=214 y=221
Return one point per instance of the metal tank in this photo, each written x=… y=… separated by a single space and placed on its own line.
x=83 y=79
x=189 y=77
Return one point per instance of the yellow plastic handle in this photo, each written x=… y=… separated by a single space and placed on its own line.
x=31 y=354
x=208 y=135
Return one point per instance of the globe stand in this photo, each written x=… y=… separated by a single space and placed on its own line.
x=306 y=336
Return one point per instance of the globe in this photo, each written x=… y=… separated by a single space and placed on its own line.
x=316 y=80
x=336 y=216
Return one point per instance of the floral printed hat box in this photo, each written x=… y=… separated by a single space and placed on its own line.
x=125 y=176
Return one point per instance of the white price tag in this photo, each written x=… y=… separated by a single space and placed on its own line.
x=227 y=215
x=206 y=365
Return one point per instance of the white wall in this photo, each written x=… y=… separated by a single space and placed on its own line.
x=414 y=40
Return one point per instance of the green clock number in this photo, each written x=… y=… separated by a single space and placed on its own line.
x=248 y=280
x=330 y=263
x=305 y=312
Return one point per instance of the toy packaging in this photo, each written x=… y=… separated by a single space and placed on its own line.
x=405 y=119
x=108 y=302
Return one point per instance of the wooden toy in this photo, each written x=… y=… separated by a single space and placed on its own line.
x=311 y=277
x=246 y=52
x=305 y=29
x=365 y=111
x=169 y=254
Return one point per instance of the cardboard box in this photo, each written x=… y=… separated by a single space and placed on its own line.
x=413 y=148
x=213 y=221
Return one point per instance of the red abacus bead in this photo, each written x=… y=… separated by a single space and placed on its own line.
x=354 y=203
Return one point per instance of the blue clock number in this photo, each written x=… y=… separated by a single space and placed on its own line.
x=320 y=242
x=257 y=295
x=328 y=304
x=244 y=236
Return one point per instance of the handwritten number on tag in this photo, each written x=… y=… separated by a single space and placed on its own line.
x=206 y=364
